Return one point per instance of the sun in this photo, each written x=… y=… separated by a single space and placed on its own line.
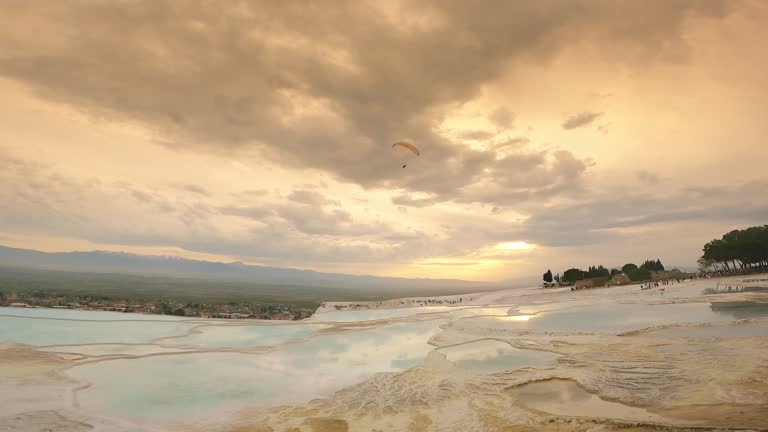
x=518 y=245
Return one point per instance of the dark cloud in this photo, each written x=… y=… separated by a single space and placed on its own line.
x=314 y=221
x=513 y=143
x=580 y=120
x=310 y=197
x=193 y=188
x=189 y=210
x=33 y=199
x=598 y=220
x=142 y=196
x=250 y=212
x=308 y=213
x=405 y=237
x=510 y=179
x=409 y=201
x=502 y=117
x=313 y=86
x=599 y=95
x=536 y=176
x=329 y=89
x=648 y=177
x=250 y=194
x=477 y=135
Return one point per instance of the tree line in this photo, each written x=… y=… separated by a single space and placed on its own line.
x=738 y=250
x=633 y=272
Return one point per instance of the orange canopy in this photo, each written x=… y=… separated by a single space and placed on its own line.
x=409 y=146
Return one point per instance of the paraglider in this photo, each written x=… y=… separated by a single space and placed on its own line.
x=408 y=146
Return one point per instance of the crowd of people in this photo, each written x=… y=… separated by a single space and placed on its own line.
x=660 y=283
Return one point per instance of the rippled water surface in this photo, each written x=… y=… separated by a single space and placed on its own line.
x=494 y=356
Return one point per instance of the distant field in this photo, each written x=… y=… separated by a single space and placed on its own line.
x=187 y=290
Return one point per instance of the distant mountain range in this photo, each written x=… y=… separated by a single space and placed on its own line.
x=127 y=263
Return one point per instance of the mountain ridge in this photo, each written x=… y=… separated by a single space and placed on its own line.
x=167 y=265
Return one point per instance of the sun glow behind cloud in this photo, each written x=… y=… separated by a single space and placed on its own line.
x=516 y=245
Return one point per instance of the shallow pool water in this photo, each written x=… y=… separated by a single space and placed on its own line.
x=565 y=397
x=192 y=369
x=380 y=314
x=77 y=314
x=375 y=314
x=44 y=331
x=623 y=317
x=727 y=331
x=111 y=349
x=740 y=309
x=244 y=336
x=189 y=384
x=477 y=311
x=494 y=356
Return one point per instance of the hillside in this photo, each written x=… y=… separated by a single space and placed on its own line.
x=251 y=275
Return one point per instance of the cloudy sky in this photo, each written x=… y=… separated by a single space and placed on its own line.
x=552 y=133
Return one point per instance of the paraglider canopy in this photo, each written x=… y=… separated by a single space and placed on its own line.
x=407 y=145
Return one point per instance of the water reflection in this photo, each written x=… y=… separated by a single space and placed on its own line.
x=245 y=336
x=733 y=289
x=191 y=383
x=111 y=349
x=84 y=315
x=381 y=314
x=565 y=397
x=57 y=332
x=493 y=356
x=375 y=314
x=740 y=309
x=726 y=331
x=623 y=317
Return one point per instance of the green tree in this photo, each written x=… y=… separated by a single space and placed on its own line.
x=548 y=276
x=615 y=271
x=653 y=265
x=745 y=249
x=705 y=264
x=597 y=271
x=572 y=275
x=626 y=268
x=639 y=274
